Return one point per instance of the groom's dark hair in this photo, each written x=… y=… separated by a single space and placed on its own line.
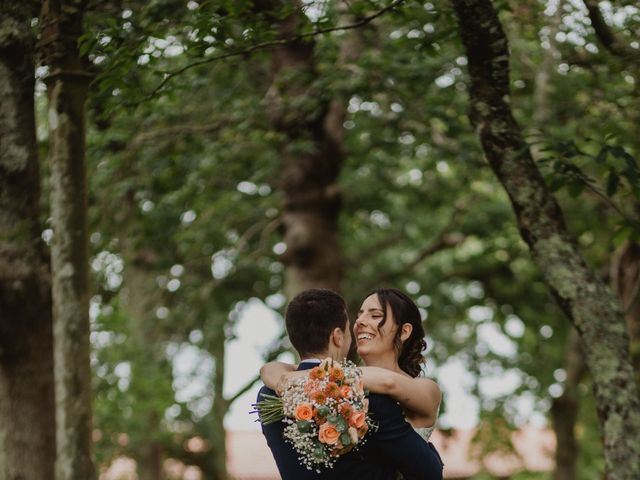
x=310 y=318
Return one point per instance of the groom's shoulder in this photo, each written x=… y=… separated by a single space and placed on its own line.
x=379 y=402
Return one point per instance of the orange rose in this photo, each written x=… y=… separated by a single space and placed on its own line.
x=345 y=410
x=336 y=374
x=318 y=396
x=345 y=391
x=357 y=419
x=363 y=430
x=304 y=411
x=316 y=373
x=332 y=390
x=328 y=434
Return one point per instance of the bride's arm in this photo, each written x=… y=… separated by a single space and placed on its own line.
x=419 y=397
x=274 y=374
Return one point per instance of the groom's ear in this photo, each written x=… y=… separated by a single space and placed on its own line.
x=407 y=328
x=337 y=337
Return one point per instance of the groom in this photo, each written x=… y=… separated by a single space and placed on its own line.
x=318 y=327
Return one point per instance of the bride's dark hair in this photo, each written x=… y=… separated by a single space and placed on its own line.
x=404 y=310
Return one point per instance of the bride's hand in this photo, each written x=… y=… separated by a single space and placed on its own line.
x=288 y=379
x=271 y=373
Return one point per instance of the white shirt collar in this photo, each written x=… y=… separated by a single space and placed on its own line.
x=310 y=360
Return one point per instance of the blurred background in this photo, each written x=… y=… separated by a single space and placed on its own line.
x=228 y=170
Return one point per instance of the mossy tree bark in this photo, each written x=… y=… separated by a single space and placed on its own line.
x=586 y=300
x=61 y=24
x=27 y=424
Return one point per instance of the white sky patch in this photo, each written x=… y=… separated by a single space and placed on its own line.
x=192 y=371
x=445 y=80
x=111 y=266
x=256 y=330
x=315 y=9
x=479 y=313
x=501 y=384
x=221 y=264
x=462 y=408
x=497 y=341
x=514 y=326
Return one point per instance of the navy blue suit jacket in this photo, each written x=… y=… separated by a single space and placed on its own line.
x=394 y=447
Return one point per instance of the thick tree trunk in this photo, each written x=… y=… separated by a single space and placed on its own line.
x=219 y=409
x=139 y=298
x=564 y=411
x=149 y=465
x=312 y=197
x=586 y=300
x=67 y=84
x=625 y=279
x=27 y=425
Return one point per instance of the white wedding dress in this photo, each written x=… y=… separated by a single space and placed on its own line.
x=425 y=432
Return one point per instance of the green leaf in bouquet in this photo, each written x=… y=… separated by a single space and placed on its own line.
x=341 y=425
x=323 y=411
x=304 y=426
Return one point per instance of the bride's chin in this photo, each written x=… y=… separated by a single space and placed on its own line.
x=363 y=351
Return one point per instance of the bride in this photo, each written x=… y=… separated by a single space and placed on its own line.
x=389 y=338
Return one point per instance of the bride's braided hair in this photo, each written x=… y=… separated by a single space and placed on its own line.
x=404 y=310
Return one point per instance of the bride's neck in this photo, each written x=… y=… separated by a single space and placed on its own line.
x=389 y=361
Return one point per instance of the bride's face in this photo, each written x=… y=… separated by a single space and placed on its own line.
x=371 y=340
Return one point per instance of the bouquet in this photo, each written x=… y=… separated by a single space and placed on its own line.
x=325 y=413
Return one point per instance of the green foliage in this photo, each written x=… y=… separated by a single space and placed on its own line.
x=184 y=185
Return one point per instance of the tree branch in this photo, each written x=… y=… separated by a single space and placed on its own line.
x=272 y=43
x=168 y=132
x=244 y=389
x=606 y=36
x=271 y=355
x=444 y=241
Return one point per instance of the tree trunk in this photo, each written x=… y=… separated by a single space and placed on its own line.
x=27 y=424
x=564 y=411
x=625 y=278
x=149 y=465
x=219 y=409
x=585 y=299
x=139 y=298
x=311 y=162
x=67 y=86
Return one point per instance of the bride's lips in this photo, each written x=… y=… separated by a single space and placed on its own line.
x=363 y=337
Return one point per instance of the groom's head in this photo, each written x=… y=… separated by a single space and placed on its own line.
x=317 y=324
